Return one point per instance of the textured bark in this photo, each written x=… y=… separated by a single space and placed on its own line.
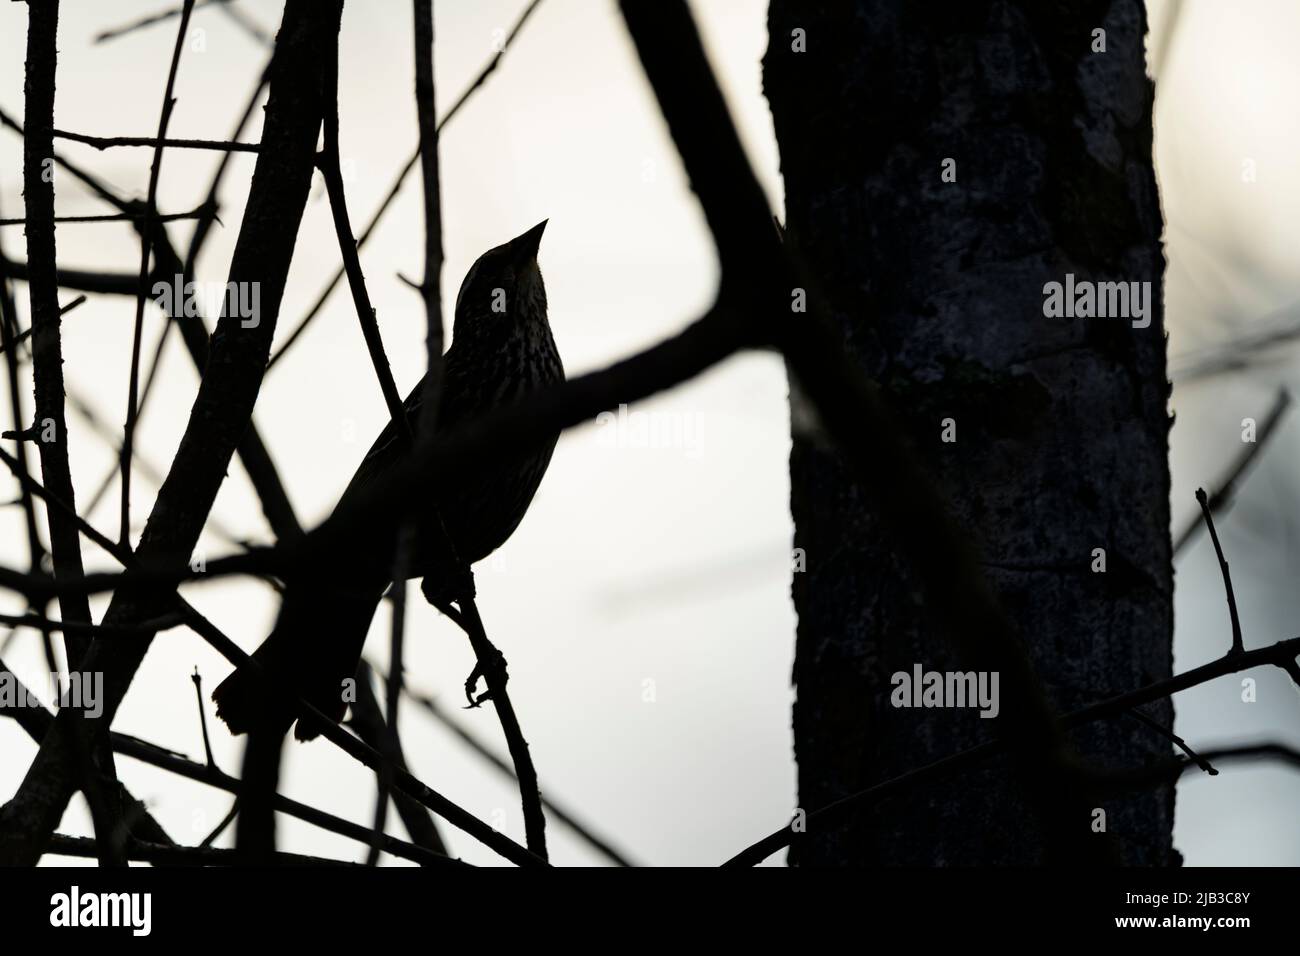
x=47 y=350
x=94 y=764
x=1061 y=424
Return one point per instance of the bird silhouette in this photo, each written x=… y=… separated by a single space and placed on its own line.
x=502 y=349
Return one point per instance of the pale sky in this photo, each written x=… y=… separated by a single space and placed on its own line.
x=644 y=602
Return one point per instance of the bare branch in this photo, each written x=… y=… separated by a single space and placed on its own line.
x=1169 y=770
x=396 y=187
x=93 y=764
x=222 y=824
x=222 y=409
x=1177 y=741
x=109 y=283
x=359 y=751
x=149 y=21
x=203 y=717
x=87 y=629
x=330 y=170
x=405 y=782
x=1222 y=497
x=252 y=451
x=492 y=665
x=107 y=142
x=431 y=285
x=1237 y=646
x=146 y=237
x=567 y=817
x=203 y=227
x=63 y=845
x=757 y=276
x=244 y=22
x=1282 y=654
x=9 y=339
x=368 y=723
x=115 y=217
x=35 y=720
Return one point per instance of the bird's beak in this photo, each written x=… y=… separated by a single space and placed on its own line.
x=524 y=248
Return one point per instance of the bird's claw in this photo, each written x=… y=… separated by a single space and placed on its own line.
x=493 y=671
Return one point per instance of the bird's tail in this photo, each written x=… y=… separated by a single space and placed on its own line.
x=312 y=652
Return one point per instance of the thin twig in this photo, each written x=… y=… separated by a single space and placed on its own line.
x=516 y=427
x=94 y=764
x=111 y=437
x=1168 y=771
x=367 y=755
x=424 y=92
x=39 y=623
x=115 y=217
x=244 y=22
x=332 y=173
x=1237 y=646
x=1162 y=772
x=148 y=21
x=568 y=818
x=203 y=227
x=478 y=81
x=330 y=169
x=390 y=743
x=721 y=334
x=146 y=237
x=107 y=142
x=36 y=721
x=493 y=665
x=358 y=750
x=81 y=280
x=203 y=717
x=25 y=334
x=63 y=845
x=221 y=826
x=430 y=287
x=9 y=339
x=368 y=724
x=491 y=66
x=1222 y=497
x=220 y=414
x=1282 y=654
x=251 y=449
x=1178 y=742
x=1259 y=340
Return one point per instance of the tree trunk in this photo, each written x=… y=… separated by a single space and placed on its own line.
x=1049 y=431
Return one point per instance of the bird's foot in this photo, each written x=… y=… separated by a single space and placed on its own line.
x=451 y=583
x=492 y=668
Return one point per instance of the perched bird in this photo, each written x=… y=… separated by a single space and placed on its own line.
x=501 y=350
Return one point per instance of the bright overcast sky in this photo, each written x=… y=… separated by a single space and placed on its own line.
x=644 y=602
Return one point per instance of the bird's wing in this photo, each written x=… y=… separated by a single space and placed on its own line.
x=387 y=448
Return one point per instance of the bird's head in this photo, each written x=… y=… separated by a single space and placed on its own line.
x=504 y=286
